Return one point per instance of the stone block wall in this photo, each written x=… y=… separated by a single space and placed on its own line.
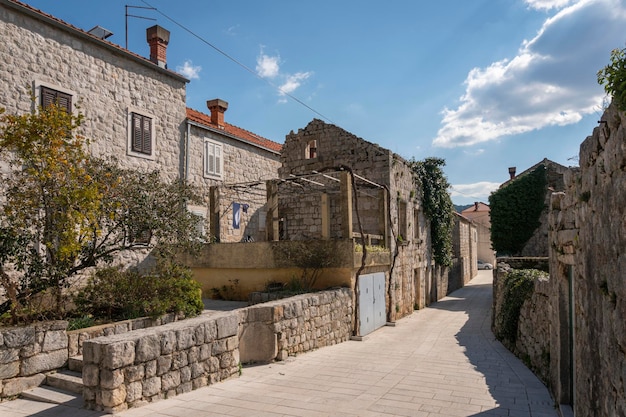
x=76 y=338
x=588 y=260
x=28 y=353
x=134 y=368
x=534 y=325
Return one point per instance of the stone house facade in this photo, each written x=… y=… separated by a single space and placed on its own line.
x=479 y=215
x=134 y=107
x=233 y=164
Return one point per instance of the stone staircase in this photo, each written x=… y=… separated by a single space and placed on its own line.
x=61 y=387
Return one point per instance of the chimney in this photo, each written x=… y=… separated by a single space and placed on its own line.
x=512 y=172
x=158 y=38
x=475 y=205
x=217 y=107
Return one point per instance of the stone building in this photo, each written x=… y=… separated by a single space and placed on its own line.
x=234 y=164
x=537 y=245
x=479 y=215
x=134 y=108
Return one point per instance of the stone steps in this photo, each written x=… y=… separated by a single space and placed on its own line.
x=52 y=395
x=67 y=381
x=75 y=364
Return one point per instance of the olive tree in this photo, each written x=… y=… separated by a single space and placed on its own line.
x=63 y=211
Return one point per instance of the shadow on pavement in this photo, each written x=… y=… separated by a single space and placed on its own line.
x=516 y=391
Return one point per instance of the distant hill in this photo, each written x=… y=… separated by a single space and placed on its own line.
x=459 y=209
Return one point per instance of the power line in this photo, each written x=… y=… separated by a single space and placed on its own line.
x=242 y=65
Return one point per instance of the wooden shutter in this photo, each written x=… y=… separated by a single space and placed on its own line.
x=142 y=134
x=50 y=97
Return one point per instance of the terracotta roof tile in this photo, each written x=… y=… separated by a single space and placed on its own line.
x=237 y=132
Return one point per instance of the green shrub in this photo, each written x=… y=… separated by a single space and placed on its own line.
x=519 y=285
x=613 y=77
x=114 y=294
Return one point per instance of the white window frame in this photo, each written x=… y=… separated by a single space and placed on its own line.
x=129 y=133
x=210 y=148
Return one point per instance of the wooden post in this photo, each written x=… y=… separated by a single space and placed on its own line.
x=214 y=212
x=325 y=207
x=384 y=216
x=271 y=220
x=346 y=205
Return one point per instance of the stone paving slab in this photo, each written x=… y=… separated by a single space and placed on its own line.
x=440 y=361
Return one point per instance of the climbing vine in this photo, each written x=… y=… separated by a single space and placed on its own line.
x=518 y=287
x=515 y=211
x=438 y=208
x=613 y=78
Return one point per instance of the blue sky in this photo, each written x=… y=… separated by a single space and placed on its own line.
x=483 y=84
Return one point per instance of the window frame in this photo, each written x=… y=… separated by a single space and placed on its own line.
x=39 y=86
x=206 y=159
x=130 y=150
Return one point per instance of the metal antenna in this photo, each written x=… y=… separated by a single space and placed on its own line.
x=138 y=17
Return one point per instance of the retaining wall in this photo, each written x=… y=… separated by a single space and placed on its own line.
x=134 y=368
x=27 y=353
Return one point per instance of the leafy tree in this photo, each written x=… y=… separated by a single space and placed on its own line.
x=433 y=188
x=515 y=211
x=65 y=211
x=613 y=77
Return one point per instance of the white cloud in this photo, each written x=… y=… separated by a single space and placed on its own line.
x=293 y=82
x=189 y=70
x=551 y=81
x=267 y=66
x=478 y=191
x=547 y=4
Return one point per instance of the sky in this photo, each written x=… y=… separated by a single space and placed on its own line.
x=483 y=84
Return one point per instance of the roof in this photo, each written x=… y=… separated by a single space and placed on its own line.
x=233 y=131
x=545 y=162
x=478 y=206
x=48 y=18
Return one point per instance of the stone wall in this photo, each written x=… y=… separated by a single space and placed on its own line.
x=27 y=353
x=587 y=264
x=533 y=334
x=408 y=232
x=135 y=368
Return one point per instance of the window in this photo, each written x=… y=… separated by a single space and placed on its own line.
x=311 y=150
x=141 y=134
x=213 y=160
x=402 y=229
x=416 y=224
x=49 y=97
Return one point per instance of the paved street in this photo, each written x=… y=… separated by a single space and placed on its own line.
x=440 y=361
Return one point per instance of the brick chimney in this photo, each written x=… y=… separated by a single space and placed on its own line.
x=512 y=172
x=158 y=38
x=217 y=108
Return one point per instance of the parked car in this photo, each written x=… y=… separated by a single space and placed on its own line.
x=484 y=265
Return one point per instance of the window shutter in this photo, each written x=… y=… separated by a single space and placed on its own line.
x=137 y=136
x=218 y=160
x=147 y=135
x=50 y=97
x=210 y=155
